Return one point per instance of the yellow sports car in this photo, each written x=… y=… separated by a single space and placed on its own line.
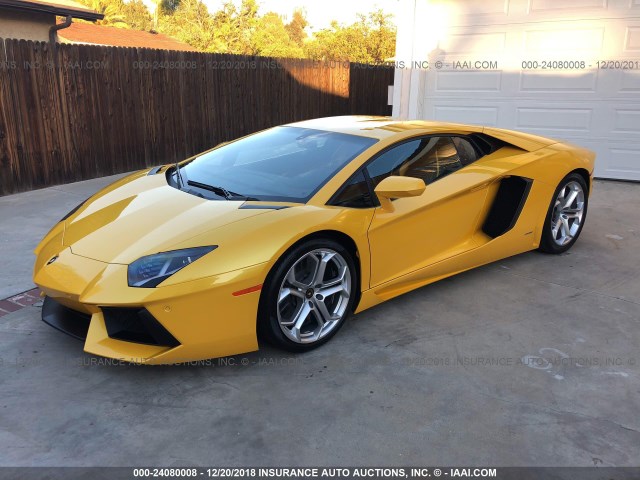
x=282 y=234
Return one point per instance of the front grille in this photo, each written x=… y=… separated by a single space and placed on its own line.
x=136 y=325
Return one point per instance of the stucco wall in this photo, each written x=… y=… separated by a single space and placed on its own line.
x=28 y=26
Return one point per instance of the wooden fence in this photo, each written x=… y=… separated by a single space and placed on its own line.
x=82 y=111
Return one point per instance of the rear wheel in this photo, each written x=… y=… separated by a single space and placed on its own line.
x=566 y=215
x=308 y=295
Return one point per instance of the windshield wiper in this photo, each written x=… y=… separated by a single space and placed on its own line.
x=179 y=176
x=223 y=192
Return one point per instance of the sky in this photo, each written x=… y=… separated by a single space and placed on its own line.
x=319 y=12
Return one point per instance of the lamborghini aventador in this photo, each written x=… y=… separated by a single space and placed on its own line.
x=282 y=234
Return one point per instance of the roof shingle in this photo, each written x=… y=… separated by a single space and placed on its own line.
x=119 y=37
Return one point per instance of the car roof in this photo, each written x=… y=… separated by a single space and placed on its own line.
x=382 y=127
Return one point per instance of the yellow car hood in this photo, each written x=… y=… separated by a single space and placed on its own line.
x=145 y=216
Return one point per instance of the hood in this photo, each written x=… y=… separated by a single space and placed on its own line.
x=145 y=216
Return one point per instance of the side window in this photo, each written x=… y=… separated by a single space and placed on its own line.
x=390 y=160
x=354 y=194
x=466 y=152
x=427 y=158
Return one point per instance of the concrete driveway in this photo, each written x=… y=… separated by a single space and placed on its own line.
x=530 y=361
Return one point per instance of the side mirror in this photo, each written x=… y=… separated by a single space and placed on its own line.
x=398 y=187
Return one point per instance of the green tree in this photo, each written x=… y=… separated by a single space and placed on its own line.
x=382 y=35
x=235 y=26
x=136 y=15
x=120 y=13
x=242 y=30
x=270 y=38
x=295 y=28
x=163 y=7
x=111 y=9
x=190 y=23
x=371 y=39
x=168 y=6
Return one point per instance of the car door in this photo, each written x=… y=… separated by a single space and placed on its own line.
x=436 y=225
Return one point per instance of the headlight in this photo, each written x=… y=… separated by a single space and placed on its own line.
x=149 y=271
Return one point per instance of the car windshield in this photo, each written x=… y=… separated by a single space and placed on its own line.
x=280 y=164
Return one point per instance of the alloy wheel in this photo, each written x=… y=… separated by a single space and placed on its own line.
x=568 y=213
x=314 y=296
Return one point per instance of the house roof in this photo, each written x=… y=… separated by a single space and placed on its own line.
x=62 y=8
x=119 y=37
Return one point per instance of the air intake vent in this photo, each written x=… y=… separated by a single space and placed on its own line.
x=136 y=325
x=65 y=319
x=510 y=199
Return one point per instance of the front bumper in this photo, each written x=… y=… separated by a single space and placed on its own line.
x=188 y=321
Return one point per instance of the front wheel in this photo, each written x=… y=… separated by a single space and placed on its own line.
x=566 y=215
x=308 y=295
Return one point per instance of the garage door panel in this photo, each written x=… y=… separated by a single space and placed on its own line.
x=574 y=121
x=617 y=121
x=491 y=7
x=538 y=10
x=626 y=121
x=550 y=120
x=632 y=43
x=528 y=116
x=534 y=85
x=569 y=120
x=623 y=161
x=532 y=81
x=476 y=81
x=461 y=43
x=587 y=85
x=495 y=11
x=551 y=41
x=629 y=81
x=498 y=12
x=544 y=5
x=487 y=116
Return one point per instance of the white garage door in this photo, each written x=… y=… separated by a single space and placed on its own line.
x=595 y=107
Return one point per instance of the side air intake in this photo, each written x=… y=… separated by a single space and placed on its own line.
x=509 y=202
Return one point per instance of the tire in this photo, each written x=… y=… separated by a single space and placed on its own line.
x=564 y=221
x=301 y=307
